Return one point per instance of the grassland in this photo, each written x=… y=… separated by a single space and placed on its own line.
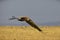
x=29 y=33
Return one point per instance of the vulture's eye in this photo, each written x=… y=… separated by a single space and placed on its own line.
x=23 y=18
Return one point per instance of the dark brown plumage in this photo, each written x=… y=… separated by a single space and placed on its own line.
x=30 y=22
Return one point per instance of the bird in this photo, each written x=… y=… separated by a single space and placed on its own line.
x=27 y=20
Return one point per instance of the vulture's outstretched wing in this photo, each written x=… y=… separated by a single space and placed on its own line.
x=30 y=22
x=13 y=17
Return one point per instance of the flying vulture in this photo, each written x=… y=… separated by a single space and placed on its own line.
x=27 y=20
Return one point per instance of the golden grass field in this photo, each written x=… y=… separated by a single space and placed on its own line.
x=29 y=33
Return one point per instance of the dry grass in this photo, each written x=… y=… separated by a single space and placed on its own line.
x=29 y=33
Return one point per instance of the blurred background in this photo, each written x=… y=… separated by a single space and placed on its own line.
x=42 y=12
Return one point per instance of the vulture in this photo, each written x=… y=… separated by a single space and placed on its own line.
x=27 y=20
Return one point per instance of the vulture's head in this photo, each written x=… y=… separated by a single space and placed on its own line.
x=23 y=19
